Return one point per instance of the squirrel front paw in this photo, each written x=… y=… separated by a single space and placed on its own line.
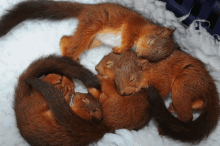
x=103 y=97
x=119 y=49
x=53 y=79
x=67 y=86
x=94 y=92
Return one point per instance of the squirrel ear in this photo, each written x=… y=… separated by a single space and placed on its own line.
x=172 y=31
x=143 y=63
x=160 y=31
x=165 y=32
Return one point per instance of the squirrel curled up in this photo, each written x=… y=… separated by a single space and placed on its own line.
x=43 y=113
x=191 y=87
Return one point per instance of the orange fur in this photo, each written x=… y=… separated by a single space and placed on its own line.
x=44 y=116
x=181 y=75
x=88 y=110
x=87 y=107
x=130 y=112
x=196 y=105
x=114 y=19
x=61 y=83
x=95 y=20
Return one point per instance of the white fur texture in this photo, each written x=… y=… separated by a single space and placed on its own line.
x=32 y=39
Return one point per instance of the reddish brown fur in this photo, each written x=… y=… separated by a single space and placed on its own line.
x=151 y=40
x=43 y=115
x=187 y=80
x=130 y=112
x=166 y=77
x=196 y=106
x=60 y=82
x=109 y=18
x=87 y=107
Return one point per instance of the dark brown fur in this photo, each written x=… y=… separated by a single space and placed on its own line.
x=130 y=112
x=59 y=125
x=188 y=81
x=152 y=41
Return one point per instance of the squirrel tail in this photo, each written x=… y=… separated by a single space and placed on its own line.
x=50 y=10
x=191 y=132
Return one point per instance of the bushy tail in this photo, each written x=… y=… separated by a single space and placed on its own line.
x=54 y=64
x=64 y=66
x=81 y=135
x=49 y=10
x=191 y=132
x=65 y=117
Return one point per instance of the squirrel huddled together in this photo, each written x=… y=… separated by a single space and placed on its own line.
x=128 y=90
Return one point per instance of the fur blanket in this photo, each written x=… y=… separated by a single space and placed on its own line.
x=32 y=39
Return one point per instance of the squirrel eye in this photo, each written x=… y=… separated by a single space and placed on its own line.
x=95 y=111
x=85 y=100
x=109 y=64
x=132 y=78
x=150 y=42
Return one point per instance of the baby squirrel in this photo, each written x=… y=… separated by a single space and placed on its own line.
x=43 y=113
x=130 y=112
x=152 y=41
x=190 y=84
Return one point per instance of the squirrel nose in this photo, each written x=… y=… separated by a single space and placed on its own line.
x=96 y=67
x=121 y=92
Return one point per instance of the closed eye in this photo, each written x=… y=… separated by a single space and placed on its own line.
x=150 y=42
x=132 y=78
x=109 y=64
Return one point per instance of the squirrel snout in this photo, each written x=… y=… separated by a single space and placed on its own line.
x=124 y=92
x=121 y=92
x=96 y=68
x=99 y=69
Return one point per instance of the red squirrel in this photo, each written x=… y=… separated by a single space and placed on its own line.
x=87 y=108
x=44 y=116
x=190 y=84
x=130 y=112
x=152 y=41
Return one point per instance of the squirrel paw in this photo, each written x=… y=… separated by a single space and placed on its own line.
x=53 y=79
x=67 y=86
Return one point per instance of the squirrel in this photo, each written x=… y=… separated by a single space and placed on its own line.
x=190 y=84
x=44 y=116
x=173 y=127
x=130 y=112
x=151 y=40
x=87 y=108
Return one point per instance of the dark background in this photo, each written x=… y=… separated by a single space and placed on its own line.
x=199 y=9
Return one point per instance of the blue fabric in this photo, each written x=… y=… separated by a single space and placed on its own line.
x=200 y=9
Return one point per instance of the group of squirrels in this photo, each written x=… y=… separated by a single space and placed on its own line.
x=129 y=88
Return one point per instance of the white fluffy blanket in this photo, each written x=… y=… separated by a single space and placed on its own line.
x=32 y=39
